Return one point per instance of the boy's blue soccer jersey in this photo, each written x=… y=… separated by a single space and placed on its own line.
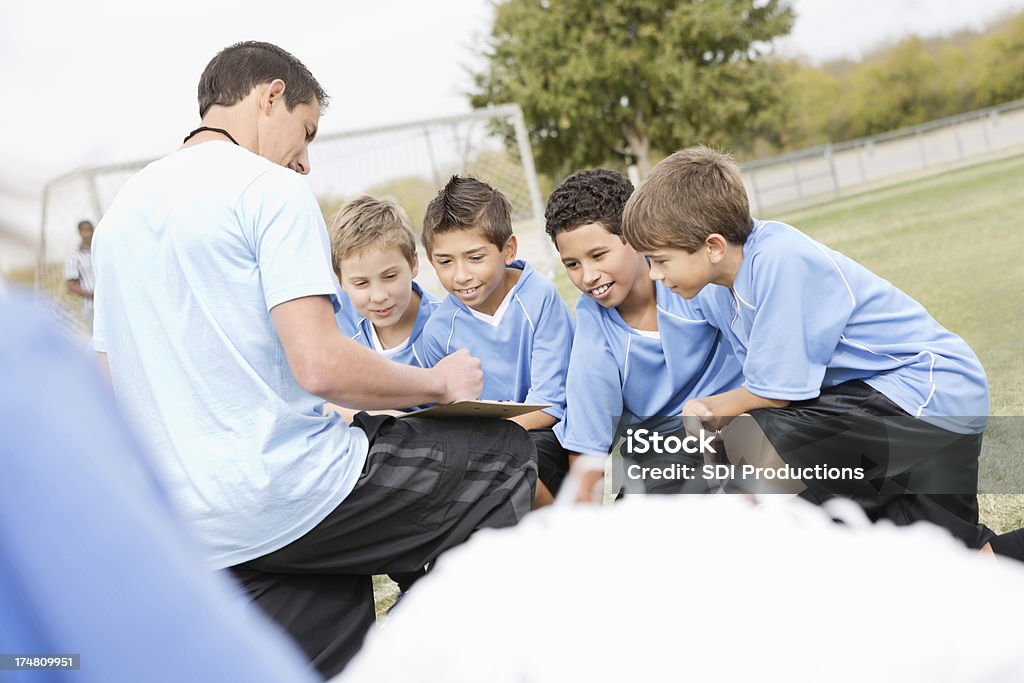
x=616 y=370
x=524 y=347
x=804 y=317
x=409 y=353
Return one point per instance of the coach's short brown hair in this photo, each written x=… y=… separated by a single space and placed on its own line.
x=464 y=204
x=239 y=68
x=370 y=222
x=688 y=196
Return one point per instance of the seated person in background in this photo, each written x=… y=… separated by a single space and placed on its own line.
x=639 y=351
x=79 y=277
x=373 y=250
x=502 y=311
x=841 y=370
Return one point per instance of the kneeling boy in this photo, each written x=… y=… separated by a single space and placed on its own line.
x=841 y=370
x=502 y=311
x=639 y=352
x=373 y=250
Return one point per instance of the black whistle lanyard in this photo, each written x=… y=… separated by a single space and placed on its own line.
x=200 y=129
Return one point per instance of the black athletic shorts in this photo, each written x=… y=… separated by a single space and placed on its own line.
x=552 y=459
x=912 y=470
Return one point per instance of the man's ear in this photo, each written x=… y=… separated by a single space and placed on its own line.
x=269 y=94
x=716 y=247
x=510 y=249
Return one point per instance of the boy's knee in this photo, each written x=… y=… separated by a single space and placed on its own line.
x=518 y=442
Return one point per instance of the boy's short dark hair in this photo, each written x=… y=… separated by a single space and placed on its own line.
x=592 y=196
x=467 y=203
x=236 y=70
x=686 y=197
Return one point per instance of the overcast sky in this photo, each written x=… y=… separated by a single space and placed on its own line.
x=114 y=80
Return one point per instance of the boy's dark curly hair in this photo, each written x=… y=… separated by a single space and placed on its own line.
x=593 y=196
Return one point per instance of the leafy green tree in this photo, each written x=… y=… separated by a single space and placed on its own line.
x=621 y=79
x=1001 y=63
x=811 y=110
x=899 y=87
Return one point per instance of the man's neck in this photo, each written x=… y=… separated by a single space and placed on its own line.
x=231 y=119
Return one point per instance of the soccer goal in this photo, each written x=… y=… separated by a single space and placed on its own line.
x=408 y=162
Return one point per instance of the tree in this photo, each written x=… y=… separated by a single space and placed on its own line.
x=620 y=79
x=1001 y=69
x=899 y=87
x=811 y=108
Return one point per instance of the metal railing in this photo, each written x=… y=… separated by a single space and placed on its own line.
x=835 y=170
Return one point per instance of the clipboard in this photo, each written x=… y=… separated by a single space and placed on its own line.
x=479 y=408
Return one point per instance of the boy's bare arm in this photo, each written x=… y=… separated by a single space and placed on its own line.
x=586 y=472
x=535 y=420
x=327 y=364
x=718 y=410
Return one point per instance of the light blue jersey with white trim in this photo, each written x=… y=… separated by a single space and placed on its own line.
x=410 y=352
x=524 y=348
x=804 y=317
x=616 y=370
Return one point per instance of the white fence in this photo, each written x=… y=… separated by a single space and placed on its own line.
x=836 y=170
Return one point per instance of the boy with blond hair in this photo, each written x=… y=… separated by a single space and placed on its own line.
x=502 y=311
x=373 y=251
x=850 y=388
x=639 y=351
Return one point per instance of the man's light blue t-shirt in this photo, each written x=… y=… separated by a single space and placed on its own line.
x=190 y=259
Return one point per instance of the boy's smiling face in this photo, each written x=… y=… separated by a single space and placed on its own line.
x=600 y=264
x=379 y=283
x=472 y=268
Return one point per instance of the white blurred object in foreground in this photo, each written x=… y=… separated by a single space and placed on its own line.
x=704 y=588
